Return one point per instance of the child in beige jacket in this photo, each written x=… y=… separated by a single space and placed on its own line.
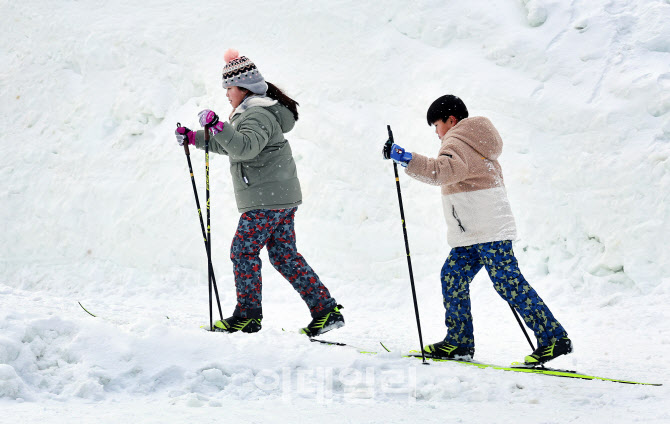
x=480 y=230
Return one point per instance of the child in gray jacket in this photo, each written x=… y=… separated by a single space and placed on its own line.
x=267 y=191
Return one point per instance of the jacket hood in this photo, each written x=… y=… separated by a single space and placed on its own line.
x=480 y=134
x=283 y=115
x=280 y=112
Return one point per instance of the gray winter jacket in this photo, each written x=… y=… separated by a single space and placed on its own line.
x=261 y=162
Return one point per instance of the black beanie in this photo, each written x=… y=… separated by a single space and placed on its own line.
x=446 y=106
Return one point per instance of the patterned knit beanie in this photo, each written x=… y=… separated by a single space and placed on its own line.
x=242 y=72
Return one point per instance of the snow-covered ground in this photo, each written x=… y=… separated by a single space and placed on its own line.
x=97 y=207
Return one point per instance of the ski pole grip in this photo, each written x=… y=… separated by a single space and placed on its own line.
x=386 y=152
x=207 y=127
x=188 y=153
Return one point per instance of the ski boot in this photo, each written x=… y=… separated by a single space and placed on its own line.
x=444 y=350
x=329 y=321
x=542 y=354
x=233 y=324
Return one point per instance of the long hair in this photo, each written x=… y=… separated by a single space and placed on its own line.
x=276 y=94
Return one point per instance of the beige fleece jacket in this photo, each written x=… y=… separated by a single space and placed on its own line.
x=474 y=198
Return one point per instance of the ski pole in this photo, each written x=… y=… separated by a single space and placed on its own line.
x=389 y=143
x=516 y=315
x=202 y=226
x=209 y=233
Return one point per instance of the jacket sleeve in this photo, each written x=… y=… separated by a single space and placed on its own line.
x=247 y=139
x=243 y=142
x=448 y=168
x=213 y=147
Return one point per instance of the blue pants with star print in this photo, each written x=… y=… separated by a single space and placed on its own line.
x=461 y=267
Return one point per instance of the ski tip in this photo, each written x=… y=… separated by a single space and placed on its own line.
x=385 y=348
x=82 y=307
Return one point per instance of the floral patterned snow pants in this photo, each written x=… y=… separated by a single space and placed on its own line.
x=461 y=267
x=274 y=229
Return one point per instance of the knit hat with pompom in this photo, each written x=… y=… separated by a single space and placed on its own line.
x=242 y=72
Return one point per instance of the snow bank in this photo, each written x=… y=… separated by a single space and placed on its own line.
x=580 y=97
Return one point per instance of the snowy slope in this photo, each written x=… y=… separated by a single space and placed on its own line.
x=97 y=207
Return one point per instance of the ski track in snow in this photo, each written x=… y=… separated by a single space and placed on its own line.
x=97 y=207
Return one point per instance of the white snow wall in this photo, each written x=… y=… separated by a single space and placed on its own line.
x=96 y=195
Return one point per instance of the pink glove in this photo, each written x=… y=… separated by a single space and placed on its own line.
x=210 y=119
x=183 y=134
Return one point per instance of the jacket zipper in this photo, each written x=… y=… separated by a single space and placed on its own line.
x=453 y=212
x=240 y=170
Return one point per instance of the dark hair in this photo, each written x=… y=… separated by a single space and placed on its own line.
x=446 y=106
x=276 y=94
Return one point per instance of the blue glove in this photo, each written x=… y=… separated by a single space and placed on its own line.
x=400 y=156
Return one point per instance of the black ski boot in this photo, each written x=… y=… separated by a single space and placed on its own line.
x=233 y=324
x=328 y=321
x=543 y=354
x=444 y=350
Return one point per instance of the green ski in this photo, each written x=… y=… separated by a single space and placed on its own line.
x=82 y=307
x=531 y=370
